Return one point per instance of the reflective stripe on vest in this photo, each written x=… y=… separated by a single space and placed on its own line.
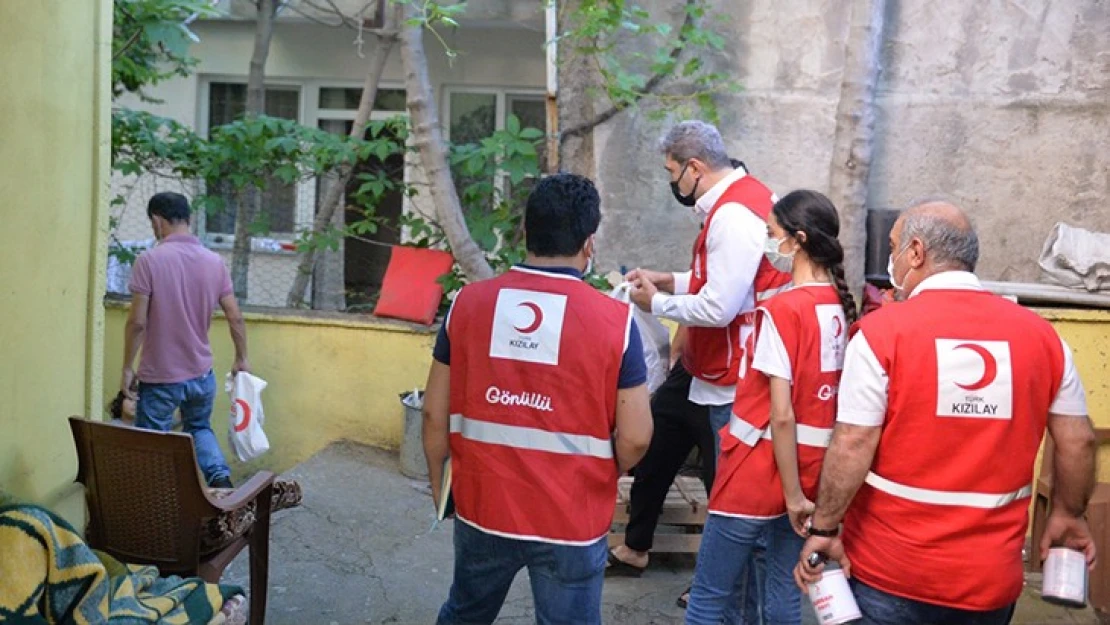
x=946 y=497
x=532 y=439
x=769 y=293
x=806 y=434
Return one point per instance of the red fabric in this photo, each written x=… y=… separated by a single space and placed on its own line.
x=815 y=345
x=714 y=354
x=540 y=353
x=410 y=289
x=875 y=298
x=937 y=436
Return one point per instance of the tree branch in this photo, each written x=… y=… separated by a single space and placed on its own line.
x=387 y=38
x=650 y=86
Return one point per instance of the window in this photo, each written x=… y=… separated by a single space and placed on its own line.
x=347 y=99
x=475 y=115
x=226 y=103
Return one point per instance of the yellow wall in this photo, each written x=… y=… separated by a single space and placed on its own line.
x=329 y=378
x=335 y=377
x=54 y=134
x=1088 y=334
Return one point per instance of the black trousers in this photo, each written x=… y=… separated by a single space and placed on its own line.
x=679 y=426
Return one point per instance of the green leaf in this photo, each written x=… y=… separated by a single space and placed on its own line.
x=531 y=134
x=692 y=66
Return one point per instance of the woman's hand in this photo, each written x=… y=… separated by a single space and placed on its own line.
x=799 y=510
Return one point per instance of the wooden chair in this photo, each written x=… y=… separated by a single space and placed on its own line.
x=147 y=505
x=1098 y=517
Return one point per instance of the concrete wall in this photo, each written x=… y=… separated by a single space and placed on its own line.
x=54 y=57
x=1002 y=106
x=330 y=378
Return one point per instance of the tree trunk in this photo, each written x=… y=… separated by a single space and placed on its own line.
x=250 y=202
x=241 y=250
x=327 y=211
x=427 y=136
x=853 y=143
x=256 y=77
x=578 y=77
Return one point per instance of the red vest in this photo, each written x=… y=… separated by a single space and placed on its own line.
x=535 y=362
x=714 y=354
x=942 y=515
x=811 y=322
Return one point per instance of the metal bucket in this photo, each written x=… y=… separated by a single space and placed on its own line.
x=413 y=464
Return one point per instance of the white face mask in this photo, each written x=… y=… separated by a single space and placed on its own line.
x=890 y=270
x=778 y=260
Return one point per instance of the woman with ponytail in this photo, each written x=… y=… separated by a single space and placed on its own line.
x=773 y=446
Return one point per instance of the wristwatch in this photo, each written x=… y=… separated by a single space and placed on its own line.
x=813 y=531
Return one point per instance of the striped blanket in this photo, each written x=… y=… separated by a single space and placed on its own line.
x=49 y=575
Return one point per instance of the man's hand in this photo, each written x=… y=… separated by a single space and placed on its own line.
x=799 y=512
x=832 y=548
x=642 y=292
x=241 y=364
x=662 y=280
x=1065 y=530
x=125 y=383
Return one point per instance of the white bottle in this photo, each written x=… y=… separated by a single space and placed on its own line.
x=1065 y=577
x=831 y=597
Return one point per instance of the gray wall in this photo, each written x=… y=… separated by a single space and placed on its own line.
x=1000 y=106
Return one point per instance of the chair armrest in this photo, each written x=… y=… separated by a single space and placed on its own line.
x=262 y=481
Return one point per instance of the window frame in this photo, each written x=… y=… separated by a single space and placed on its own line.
x=309 y=114
x=501 y=110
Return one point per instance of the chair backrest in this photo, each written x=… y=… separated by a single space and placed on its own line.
x=145 y=497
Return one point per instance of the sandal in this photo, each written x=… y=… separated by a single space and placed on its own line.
x=684 y=599
x=619 y=568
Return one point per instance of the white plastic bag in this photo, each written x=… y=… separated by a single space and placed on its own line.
x=244 y=425
x=1077 y=258
x=653 y=334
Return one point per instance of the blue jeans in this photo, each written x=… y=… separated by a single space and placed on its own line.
x=880 y=608
x=718 y=418
x=157 y=403
x=725 y=549
x=751 y=582
x=566 y=581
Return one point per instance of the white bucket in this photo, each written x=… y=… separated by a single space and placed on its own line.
x=832 y=599
x=1065 y=577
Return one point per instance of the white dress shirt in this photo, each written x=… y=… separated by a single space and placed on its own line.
x=734 y=249
x=863 y=387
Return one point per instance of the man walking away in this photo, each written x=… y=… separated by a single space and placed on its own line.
x=175 y=287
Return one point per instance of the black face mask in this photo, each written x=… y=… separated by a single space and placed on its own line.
x=685 y=200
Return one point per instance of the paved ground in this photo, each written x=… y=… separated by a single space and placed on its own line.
x=361 y=550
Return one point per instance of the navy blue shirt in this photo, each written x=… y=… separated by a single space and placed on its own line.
x=633 y=369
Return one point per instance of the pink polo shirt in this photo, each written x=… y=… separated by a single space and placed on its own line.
x=184 y=281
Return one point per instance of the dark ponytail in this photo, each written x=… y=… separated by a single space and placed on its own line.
x=812 y=213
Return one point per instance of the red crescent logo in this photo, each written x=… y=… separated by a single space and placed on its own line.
x=990 y=367
x=537 y=318
x=838 y=327
x=244 y=409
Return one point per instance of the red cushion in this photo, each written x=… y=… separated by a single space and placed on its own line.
x=410 y=290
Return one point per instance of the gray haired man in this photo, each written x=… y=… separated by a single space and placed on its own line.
x=714 y=304
x=943 y=403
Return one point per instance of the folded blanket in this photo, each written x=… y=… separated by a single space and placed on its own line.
x=49 y=575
